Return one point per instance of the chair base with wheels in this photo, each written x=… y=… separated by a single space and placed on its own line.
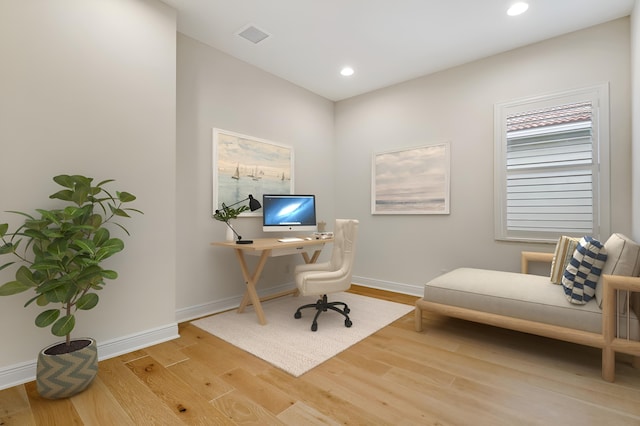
x=322 y=305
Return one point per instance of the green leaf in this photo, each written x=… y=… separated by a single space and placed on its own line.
x=80 y=194
x=52 y=285
x=105 y=181
x=114 y=244
x=57 y=249
x=109 y=248
x=4 y=227
x=47 y=317
x=125 y=197
x=36 y=224
x=88 y=301
x=64 y=195
x=110 y=275
x=63 y=326
x=13 y=287
x=30 y=301
x=119 y=212
x=121 y=227
x=6 y=265
x=59 y=294
x=86 y=246
x=95 y=221
x=101 y=236
x=90 y=275
x=42 y=300
x=25 y=277
x=64 y=180
x=36 y=235
x=48 y=266
x=21 y=213
x=52 y=233
x=7 y=248
x=133 y=210
x=73 y=212
x=49 y=215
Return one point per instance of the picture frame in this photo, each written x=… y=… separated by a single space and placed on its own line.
x=244 y=165
x=411 y=180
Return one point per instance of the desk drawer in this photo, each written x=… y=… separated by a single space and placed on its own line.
x=285 y=251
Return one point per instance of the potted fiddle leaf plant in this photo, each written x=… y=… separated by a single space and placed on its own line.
x=59 y=255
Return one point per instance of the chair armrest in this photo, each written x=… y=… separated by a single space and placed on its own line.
x=533 y=256
x=613 y=283
x=326 y=266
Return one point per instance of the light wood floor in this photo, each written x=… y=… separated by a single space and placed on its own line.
x=453 y=373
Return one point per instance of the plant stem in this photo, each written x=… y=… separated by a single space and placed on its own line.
x=68 y=340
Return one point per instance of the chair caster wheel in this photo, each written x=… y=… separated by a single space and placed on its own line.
x=347 y=310
x=297 y=315
x=314 y=326
x=347 y=323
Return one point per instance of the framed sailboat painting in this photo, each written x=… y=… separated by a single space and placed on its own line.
x=411 y=180
x=244 y=165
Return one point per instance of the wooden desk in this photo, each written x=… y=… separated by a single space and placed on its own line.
x=265 y=248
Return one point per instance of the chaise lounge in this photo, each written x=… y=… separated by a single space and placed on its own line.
x=533 y=304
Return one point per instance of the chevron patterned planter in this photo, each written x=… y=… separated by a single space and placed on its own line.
x=64 y=375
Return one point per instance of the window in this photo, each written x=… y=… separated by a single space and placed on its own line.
x=551 y=166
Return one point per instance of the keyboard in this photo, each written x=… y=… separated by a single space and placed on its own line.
x=290 y=239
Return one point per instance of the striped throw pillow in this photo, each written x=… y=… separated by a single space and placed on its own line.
x=562 y=256
x=584 y=269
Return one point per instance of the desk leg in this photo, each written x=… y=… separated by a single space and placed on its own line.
x=311 y=259
x=250 y=294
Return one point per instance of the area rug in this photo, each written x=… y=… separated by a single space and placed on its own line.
x=289 y=343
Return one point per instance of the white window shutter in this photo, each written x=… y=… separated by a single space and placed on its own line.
x=549 y=179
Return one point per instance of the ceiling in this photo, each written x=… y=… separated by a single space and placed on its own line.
x=384 y=41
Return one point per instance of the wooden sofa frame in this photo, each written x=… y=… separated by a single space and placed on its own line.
x=607 y=340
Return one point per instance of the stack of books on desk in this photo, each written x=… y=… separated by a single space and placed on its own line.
x=322 y=235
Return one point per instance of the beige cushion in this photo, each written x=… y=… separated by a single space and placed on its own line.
x=524 y=296
x=623 y=258
x=561 y=257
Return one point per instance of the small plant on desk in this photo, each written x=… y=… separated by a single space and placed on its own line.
x=225 y=214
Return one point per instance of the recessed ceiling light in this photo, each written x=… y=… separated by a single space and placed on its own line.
x=347 y=71
x=517 y=8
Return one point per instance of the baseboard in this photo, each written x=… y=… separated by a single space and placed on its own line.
x=18 y=374
x=133 y=342
x=205 y=309
x=199 y=311
x=414 y=290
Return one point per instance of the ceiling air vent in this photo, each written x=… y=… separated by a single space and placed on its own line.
x=253 y=34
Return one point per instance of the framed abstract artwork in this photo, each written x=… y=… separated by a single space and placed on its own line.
x=244 y=165
x=411 y=181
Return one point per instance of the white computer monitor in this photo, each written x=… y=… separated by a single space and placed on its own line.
x=289 y=212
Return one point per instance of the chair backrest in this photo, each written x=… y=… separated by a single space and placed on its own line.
x=335 y=275
x=345 y=233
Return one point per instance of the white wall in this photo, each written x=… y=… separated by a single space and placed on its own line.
x=456 y=105
x=88 y=87
x=216 y=90
x=635 y=150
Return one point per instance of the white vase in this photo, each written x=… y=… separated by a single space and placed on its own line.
x=230 y=234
